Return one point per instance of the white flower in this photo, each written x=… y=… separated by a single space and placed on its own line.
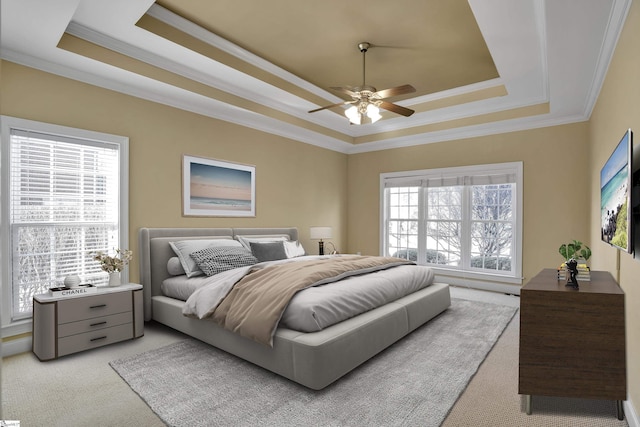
x=111 y=264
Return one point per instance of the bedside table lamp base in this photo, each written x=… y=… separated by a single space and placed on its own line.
x=319 y=233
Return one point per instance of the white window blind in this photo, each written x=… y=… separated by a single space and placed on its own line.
x=435 y=180
x=64 y=205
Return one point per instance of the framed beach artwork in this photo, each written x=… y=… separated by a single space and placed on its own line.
x=217 y=188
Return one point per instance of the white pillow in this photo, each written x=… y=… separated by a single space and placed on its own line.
x=184 y=248
x=246 y=241
x=294 y=249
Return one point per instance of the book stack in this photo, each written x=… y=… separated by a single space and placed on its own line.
x=65 y=291
x=584 y=274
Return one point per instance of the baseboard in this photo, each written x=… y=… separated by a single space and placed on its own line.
x=17 y=346
x=630 y=414
x=502 y=288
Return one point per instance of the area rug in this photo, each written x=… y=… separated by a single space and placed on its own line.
x=415 y=382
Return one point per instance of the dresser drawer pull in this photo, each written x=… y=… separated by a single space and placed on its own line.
x=98 y=339
x=98 y=306
x=98 y=324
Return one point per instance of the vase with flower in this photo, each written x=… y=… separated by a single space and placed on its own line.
x=114 y=264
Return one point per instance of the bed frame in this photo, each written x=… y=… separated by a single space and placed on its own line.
x=315 y=359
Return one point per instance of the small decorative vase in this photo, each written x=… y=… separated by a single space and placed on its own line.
x=114 y=278
x=72 y=281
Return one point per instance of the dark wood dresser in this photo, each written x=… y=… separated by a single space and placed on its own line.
x=572 y=342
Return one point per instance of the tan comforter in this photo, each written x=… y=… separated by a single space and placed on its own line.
x=254 y=306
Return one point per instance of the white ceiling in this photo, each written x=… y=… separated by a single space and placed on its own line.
x=551 y=58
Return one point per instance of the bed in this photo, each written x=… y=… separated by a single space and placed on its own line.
x=312 y=359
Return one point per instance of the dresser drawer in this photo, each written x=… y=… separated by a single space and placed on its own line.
x=88 y=340
x=74 y=309
x=97 y=323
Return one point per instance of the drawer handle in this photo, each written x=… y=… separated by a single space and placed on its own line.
x=98 y=339
x=98 y=306
x=98 y=324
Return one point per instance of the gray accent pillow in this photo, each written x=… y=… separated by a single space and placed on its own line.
x=268 y=251
x=214 y=260
x=246 y=241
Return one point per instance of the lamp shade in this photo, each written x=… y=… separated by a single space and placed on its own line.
x=319 y=233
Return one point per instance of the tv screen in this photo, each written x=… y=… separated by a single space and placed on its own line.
x=615 y=194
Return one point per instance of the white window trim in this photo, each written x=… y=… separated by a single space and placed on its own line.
x=467 y=278
x=8 y=123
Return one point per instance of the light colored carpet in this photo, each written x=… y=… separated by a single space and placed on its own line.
x=413 y=383
x=492 y=398
x=82 y=390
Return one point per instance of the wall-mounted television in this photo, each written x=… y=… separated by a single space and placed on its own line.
x=615 y=195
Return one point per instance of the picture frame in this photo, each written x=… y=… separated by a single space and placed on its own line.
x=217 y=188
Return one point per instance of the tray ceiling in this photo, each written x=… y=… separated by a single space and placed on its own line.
x=480 y=67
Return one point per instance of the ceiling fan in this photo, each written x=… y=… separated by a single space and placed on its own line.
x=368 y=100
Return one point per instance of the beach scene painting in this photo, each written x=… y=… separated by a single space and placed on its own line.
x=217 y=188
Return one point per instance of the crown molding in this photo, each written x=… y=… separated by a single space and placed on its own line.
x=617 y=19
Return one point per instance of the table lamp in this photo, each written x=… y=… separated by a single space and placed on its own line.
x=319 y=233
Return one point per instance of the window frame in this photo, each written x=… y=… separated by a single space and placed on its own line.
x=9 y=326
x=462 y=276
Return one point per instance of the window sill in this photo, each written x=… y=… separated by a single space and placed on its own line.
x=17 y=328
x=477 y=276
x=485 y=281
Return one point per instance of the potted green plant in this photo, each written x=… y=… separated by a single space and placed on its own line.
x=575 y=250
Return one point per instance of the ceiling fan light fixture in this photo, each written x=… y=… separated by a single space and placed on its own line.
x=373 y=112
x=365 y=110
x=353 y=115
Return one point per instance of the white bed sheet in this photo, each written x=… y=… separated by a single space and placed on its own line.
x=316 y=308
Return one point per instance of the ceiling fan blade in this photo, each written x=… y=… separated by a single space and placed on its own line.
x=332 y=106
x=346 y=90
x=395 y=108
x=395 y=91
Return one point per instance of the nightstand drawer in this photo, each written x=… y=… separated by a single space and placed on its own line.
x=94 y=324
x=74 y=309
x=80 y=342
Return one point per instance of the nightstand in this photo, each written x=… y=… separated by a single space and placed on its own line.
x=66 y=325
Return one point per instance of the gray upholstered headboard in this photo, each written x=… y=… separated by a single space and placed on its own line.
x=155 y=251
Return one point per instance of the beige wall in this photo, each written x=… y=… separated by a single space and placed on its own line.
x=616 y=110
x=555 y=185
x=296 y=184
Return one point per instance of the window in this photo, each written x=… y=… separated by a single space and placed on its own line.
x=463 y=221
x=64 y=197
